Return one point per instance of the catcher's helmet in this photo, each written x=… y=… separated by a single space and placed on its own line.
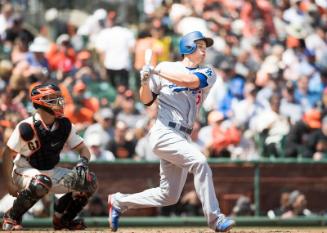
x=187 y=43
x=49 y=98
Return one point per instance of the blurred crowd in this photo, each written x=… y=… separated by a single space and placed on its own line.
x=270 y=58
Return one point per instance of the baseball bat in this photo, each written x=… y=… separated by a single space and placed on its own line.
x=148 y=56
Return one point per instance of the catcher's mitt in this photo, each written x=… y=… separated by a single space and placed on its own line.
x=80 y=179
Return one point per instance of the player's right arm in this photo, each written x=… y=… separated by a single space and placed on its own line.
x=7 y=163
x=150 y=86
x=146 y=95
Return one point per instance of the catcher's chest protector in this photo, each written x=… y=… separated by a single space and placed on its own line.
x=51 y=144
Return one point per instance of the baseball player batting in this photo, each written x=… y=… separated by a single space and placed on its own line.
x=180 y=88
x=35 y=145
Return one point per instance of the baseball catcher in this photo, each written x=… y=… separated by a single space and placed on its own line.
x=30 y=163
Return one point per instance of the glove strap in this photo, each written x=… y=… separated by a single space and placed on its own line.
x=83 y=161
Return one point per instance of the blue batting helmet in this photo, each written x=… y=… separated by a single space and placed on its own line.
x=187 y=43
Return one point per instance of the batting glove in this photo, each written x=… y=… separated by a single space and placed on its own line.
x=146 y=73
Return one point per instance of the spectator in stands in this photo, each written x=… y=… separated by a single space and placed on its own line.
x=297 y=204
x=144 y=41
x=316 y=146
x=243 y=207
x=98 y=152
x=82 y=109
x=18 y=38
x=272 y=127
x=248 y=108
x=85 y=68
x=323 y=104
x=115 y=45
x=6 y=18
x=253 y=11
x=283 y=202
x=295 y=14
x=143 y=149
x=162 y=45
x=219 y=135
x=95 y=208
x=93 y=25
x=189 y=204
x=306 y=98
x=219 y=89
x=36 y=59
x=123 y=145
x=297 y=138
x=103 y=126
x=235 y=93
x=288 y=106
x=129 y=113
x=62 y=56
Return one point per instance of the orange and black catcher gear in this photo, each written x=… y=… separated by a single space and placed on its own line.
x=49 y=98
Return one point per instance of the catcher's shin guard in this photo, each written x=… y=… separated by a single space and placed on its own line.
x=68 y=206
x=38 y=187
x=62 y=203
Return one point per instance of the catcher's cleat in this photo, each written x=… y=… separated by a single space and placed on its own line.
x=114 y=214
x=224 y=224
x=75 y=224
x=10 y=224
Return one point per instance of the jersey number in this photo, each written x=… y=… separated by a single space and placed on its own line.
x=33 y=145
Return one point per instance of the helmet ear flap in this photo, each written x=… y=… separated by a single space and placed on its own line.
x=191 y=48
x=187 y=45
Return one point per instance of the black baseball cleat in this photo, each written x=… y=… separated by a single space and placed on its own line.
x=75 y=224
x=10 y=224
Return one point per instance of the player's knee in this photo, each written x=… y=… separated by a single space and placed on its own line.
x=201 y=165
x=40 y=185
x=169 y=196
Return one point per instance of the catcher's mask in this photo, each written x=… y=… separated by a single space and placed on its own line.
x=49 y=98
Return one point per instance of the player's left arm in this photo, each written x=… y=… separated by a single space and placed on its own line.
x=199 y=79
x=83 y=151
x=180 y=79
x=76 y=143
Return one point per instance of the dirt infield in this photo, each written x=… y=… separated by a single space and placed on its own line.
x=193 y=230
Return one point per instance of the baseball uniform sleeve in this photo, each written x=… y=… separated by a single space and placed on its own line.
x=73 y=139
x=14 y=141
x=207 y=76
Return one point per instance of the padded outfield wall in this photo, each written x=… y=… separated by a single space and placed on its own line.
x=262 y=181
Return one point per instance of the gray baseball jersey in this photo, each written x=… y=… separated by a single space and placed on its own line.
x=178 y=106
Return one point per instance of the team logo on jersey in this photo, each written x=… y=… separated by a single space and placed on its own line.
x=178 y=89
x=209 y=72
